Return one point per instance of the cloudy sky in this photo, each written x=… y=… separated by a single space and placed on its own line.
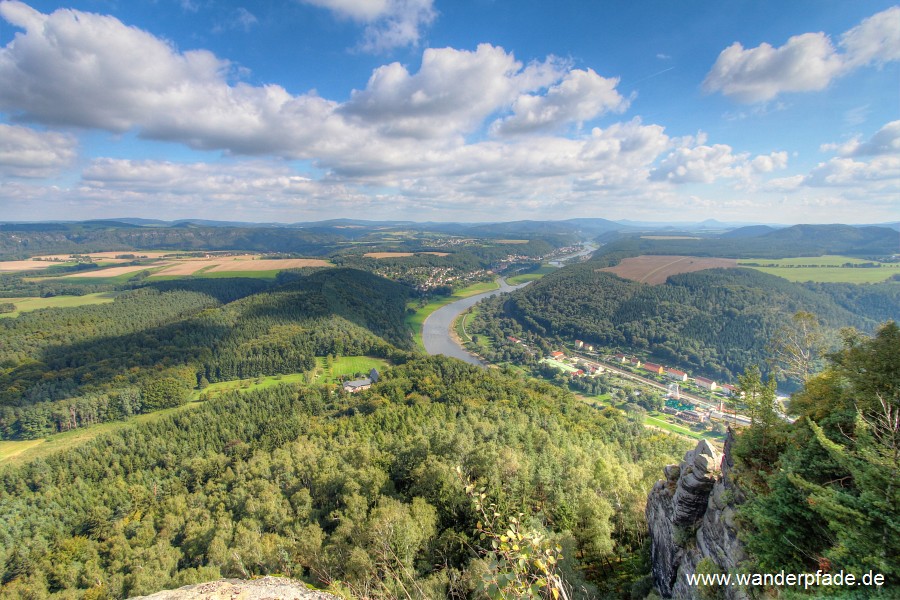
x=464 y=110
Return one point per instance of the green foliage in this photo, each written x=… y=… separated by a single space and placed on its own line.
x=707 y=566
x=760 y=445
x=715 y=322
x=356 y=491
x=832 y=500
x=61 y=369
x=521 y=561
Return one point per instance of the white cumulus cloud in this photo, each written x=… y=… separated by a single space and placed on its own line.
x=580 y=96
x=26 y=152
x=807 y=62
x=388 y=23
x=452 y=92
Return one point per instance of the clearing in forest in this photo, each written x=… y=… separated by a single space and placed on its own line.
x=655 y=269
x=29 y=304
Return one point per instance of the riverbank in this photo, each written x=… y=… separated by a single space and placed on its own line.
x=416 y=321
x=438 y=334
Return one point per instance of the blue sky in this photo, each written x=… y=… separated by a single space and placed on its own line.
x=294 y=110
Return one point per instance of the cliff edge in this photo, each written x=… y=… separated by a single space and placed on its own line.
x=690 y=514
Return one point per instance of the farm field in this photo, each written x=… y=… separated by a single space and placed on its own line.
x=655 y=270
x=29 y=304
x=18 y=266
x=215 y=266
x=112 y=271
x=824 y=269
x=64 y=260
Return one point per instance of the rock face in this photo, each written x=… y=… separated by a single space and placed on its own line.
x=691 y=518
x=267 y=588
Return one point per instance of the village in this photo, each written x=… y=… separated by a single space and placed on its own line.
x=680 y=404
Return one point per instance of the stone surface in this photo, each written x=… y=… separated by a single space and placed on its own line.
x=267 y=588
x=691 y=517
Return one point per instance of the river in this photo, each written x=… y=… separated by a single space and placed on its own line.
x=436 y=334
x=436 y=329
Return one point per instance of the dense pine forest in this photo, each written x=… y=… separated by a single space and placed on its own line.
x=64 y=368
x=715 y=322
x=362 y=489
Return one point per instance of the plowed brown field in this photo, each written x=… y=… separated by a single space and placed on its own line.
x=656 y=269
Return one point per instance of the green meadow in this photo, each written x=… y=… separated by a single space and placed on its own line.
x=531 y=276
x=29 y=304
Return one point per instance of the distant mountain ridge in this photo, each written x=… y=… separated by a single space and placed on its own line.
x=321 y=237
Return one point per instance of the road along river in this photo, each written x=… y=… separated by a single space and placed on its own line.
x=436 y=330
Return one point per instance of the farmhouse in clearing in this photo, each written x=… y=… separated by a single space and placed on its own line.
x=358 y=385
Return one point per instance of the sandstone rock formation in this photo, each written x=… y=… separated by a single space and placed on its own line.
x=267 y=588
x=690 y=514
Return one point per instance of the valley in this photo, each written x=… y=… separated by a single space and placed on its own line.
x=193 y=419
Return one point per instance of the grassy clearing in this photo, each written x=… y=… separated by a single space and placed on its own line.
x=565 y=367
x=462 y=322
x=530 y=276
x=29 y=304
x=416 y=320
x=347 y=365
x=11 y=449
x=243 y=385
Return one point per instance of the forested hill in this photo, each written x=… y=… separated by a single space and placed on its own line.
x=361 y=489
x=715 y=322
x=62 y=368
x=21 y=241
x=763 y=242
x=24 y=240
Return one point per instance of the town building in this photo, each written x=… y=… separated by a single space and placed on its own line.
x=707 y=384
x=676 y=375
x=653 y=368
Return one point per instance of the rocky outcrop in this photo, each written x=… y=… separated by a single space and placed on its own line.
x=691 y=518
x=267 y=588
